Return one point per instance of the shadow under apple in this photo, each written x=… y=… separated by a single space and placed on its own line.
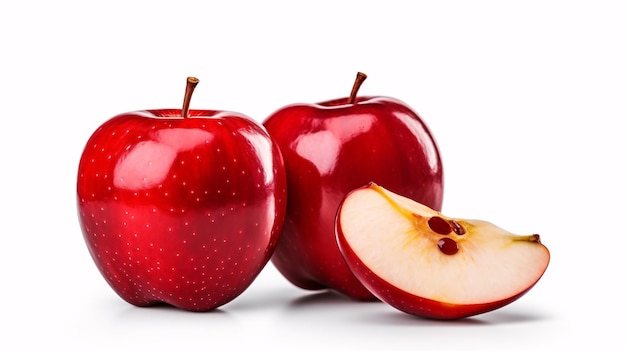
x=158 y=313
x=376 y=312
x=497 y=317
x=326 y=298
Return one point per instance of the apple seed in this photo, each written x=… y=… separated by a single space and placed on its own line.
x=457 y=228
x=439 y=225
x=448 y=246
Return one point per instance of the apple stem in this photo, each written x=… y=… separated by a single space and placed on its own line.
x=191 y=85
x=533 y=238
x=360 y=78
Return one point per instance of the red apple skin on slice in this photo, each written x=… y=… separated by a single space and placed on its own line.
x=389 y=245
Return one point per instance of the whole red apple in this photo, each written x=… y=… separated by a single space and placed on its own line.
x=331 y=148
x=180 y=206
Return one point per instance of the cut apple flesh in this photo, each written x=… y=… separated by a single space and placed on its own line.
x=443 y=264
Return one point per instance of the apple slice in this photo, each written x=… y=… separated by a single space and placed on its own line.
x=426 y=264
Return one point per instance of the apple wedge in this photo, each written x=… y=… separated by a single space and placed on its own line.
x=429 y=265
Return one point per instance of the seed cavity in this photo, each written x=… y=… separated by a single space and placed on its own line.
x=448 y=246
x=439 y=225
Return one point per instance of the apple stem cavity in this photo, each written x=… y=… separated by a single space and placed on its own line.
x=191 y=86
x=360 y=78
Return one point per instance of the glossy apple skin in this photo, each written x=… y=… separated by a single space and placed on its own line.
x=410 y=303
x=182 y=211
x=331 y=148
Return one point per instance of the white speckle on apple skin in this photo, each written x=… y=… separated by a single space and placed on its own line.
x=154 y=259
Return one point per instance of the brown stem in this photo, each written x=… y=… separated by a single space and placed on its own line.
x=191 y=85
x=360 y=78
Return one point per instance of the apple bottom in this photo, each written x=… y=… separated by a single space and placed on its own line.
x=188 y=263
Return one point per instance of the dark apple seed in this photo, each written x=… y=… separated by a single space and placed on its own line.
x=448 y=246
x=439 y=225
x=457 y=228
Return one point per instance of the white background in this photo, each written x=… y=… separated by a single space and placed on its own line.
x=527 y=101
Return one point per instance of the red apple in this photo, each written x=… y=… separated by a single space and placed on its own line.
x=331 y=148
x=426 y=264
x=178 y=206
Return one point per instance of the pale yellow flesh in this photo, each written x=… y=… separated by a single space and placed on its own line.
x=390 y=235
